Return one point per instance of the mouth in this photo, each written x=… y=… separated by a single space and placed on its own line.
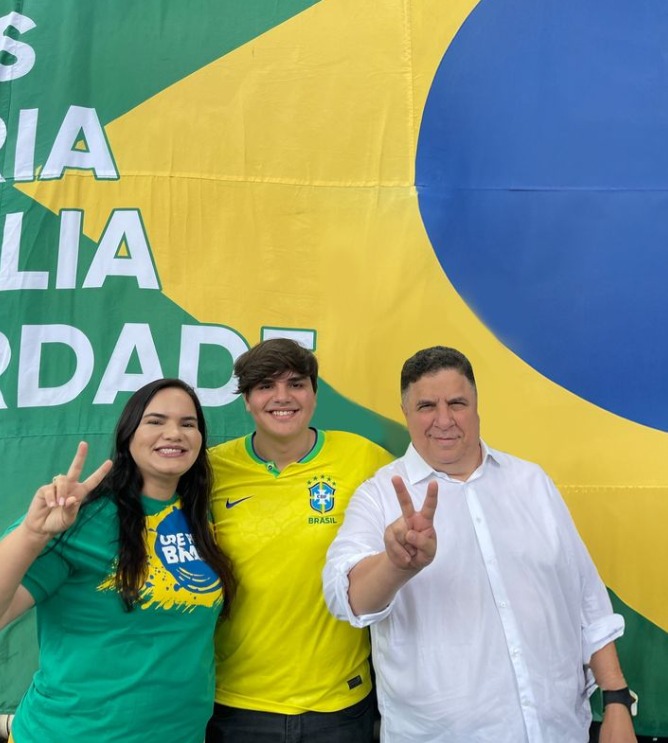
x=282 y=413
x=170 y=451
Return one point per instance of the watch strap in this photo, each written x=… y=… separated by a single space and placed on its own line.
x=622 y=696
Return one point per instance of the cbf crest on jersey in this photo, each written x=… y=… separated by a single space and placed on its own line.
x=321 y=493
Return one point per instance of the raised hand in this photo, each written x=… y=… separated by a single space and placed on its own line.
x=56 y=505
x=410 y=541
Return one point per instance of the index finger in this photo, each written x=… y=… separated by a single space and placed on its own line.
x=74 y=472
x=430 y=501
x=92 y=481
x=403 y=497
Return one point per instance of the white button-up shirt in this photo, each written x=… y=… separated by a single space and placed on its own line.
x=488 y=643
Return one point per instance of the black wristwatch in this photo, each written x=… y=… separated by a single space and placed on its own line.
x=622 y=696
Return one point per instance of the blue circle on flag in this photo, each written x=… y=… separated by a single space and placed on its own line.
x=542 y=176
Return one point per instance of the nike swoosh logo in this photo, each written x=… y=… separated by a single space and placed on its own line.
x=233 y=503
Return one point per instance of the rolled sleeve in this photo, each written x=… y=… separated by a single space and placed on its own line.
x=360 y=536
x=335 y=586
x=600 y=633
x=599 y=625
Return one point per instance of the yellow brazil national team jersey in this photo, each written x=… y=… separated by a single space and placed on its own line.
x=281 y=650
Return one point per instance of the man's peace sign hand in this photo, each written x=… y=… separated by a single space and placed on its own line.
x=410 y=541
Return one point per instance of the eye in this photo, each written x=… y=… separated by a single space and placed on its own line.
x=189 y=424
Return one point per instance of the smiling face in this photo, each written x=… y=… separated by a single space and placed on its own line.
x=166 y=442
x=282 y=406
x=441 y=412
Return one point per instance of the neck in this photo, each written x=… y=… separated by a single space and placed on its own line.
x=159 y=489
x=284 y=451
x=466 y=468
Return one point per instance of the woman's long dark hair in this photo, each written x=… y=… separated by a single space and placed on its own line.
x=124 y=485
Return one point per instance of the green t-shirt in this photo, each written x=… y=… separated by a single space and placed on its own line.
x=109 y=675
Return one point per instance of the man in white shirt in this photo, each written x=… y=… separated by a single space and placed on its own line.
x=500 y=634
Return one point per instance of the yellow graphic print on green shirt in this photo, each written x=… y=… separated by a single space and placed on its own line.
x=177 y=577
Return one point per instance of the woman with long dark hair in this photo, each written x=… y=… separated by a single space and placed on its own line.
x=128 y=583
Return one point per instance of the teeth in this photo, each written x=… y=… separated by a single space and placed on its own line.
x=282 y=413
x=170 y=451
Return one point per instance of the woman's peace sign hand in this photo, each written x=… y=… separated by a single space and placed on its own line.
x=56 y=505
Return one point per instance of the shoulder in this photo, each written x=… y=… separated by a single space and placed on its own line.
x=513 y=463
x=380 y=480
x=353 y=441
x=361 y=456
x=231 y=449
x=385 y=473
x=376 y=494
x=526 y=474
x=102 y=507
x=345 y=437
x=97 y=522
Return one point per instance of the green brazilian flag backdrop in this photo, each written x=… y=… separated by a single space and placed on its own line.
x=181 y=180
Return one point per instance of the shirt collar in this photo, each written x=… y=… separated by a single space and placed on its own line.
x=417 y=469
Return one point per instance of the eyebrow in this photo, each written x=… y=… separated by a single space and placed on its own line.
x=432 y=401
x=292 y=378
x=163 y=417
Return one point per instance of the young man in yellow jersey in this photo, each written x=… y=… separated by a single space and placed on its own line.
x=286 y=670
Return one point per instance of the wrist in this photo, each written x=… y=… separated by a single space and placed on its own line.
x=36 y=539
x=618 y=698
x=399 y=573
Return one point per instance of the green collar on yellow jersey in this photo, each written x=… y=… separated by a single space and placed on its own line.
x=271 y=466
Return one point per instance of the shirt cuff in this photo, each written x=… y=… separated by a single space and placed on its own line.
x=600 y=633
x=336 y=593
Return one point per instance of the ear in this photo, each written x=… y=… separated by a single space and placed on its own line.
x=246 y=405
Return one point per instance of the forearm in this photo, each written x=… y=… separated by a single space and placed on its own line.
x=605 y=666
x=373 y=583
x=617 y=724
x=18 y=550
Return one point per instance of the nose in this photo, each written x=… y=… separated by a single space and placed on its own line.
x=444 y=417
x=172 y=430
x=281 y=393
